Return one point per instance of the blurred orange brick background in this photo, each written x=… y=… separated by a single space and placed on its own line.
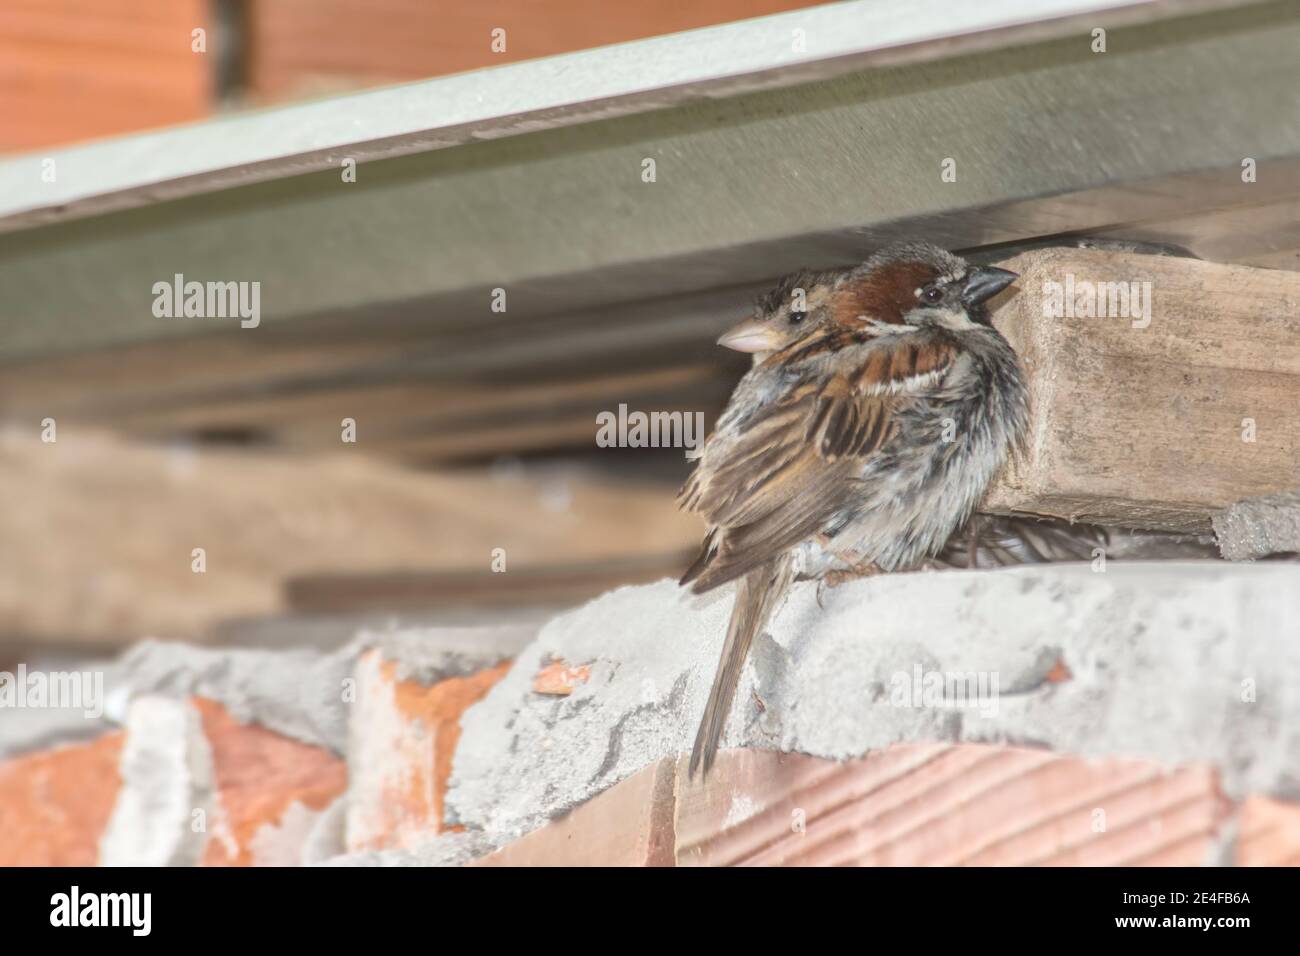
x=73 y=70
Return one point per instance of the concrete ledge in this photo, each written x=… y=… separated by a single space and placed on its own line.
x=1183 y=664
x=1040 y=714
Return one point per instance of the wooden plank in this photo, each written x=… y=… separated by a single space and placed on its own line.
x=447 y=420
x=108 y=385
x=420 y=392
x=100 y=549
x=1149 y=424
x=557 y=585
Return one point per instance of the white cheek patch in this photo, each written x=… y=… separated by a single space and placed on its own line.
x=955 y=319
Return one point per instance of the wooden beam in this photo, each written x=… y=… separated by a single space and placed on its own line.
x=1163 y=416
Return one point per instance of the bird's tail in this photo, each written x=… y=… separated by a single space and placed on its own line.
x=757 y=595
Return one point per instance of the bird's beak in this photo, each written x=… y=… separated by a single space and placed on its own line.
x=750 y=336
x=983 y=283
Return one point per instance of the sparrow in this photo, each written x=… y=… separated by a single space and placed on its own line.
x=997 y=541
x=790 y=310
x=856 y=447
x=793 y=308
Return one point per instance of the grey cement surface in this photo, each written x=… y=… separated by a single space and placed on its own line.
x=297 y=693
x=1190 y=662
x=1258 y=527
x=23 y=731
x=450 y=651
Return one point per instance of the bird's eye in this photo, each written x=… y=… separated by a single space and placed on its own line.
x=932 y=295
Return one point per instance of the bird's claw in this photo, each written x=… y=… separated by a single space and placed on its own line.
x=833 y=579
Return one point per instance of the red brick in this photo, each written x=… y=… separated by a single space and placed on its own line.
x=559 y=679
x=630 y=824
x=939 y=804
x=259 y=775
x=405 y=735
x=55 y=804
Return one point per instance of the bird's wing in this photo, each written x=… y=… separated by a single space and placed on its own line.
x=793 y=467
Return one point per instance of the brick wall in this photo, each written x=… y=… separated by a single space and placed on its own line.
x=303 y=47
x=501 y=747
x=74 y=70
